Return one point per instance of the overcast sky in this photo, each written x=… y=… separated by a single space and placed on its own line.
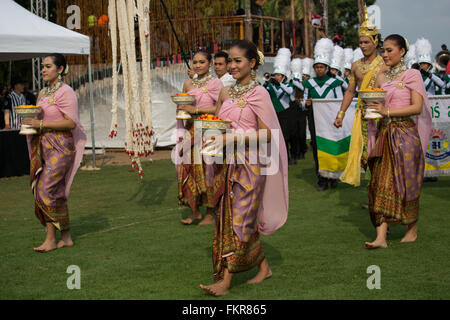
x=417 y=18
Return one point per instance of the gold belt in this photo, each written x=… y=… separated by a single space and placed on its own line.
x=386 y=120
x=46 y=130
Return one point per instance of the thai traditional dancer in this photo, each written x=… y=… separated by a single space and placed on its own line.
x=398 y=145
x=55 y=153
x=198 y=182
x=320 y=87
x=363 y=76
x=256 y=197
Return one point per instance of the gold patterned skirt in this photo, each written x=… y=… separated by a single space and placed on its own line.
x=397 y=166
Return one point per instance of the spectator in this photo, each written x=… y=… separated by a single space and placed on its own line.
x=4 y=102
x=221 y=69
x=16 y=98
x=30 y=98
x=256 y=9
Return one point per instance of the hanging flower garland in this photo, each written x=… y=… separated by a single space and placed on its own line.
x=137 y=95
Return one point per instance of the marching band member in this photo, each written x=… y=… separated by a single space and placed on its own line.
x=321 y=87
x=282 y=94
x=430 y=79
x=300 y=122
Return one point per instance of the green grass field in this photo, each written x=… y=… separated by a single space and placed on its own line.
x=129 y=243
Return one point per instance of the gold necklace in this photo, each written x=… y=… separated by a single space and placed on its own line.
x=50 y=91
x=237 y=91
x=395 y=71
x=198 y=83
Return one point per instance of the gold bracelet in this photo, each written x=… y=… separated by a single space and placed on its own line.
x=41 y=125
x=340 y=115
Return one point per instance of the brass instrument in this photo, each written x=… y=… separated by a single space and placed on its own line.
x=442 y=58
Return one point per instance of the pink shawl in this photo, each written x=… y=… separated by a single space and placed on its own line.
x=400 y=97
x=66 y=104
x=273 y=210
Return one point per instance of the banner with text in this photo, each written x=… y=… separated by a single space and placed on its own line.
x=437 y=161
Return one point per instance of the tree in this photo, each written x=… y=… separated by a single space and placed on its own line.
x=343 y=20
x=342 y=16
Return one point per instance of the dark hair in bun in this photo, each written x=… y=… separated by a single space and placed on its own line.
x=251 y=51
x=399 y=40
x=205 y=53
x=58 y=60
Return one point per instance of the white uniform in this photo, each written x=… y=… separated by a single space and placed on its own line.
x=228 y=80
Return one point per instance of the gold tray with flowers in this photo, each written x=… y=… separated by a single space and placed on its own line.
x=210 y=121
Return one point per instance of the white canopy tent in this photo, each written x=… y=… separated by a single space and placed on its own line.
x=24 y=35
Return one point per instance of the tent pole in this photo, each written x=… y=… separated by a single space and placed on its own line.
x=91 y=98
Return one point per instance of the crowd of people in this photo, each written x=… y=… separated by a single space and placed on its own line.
x=392 y=149
x=244 y=198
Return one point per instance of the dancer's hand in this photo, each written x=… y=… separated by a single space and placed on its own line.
x=191 y=73
x=34 y=123
x=377 y=106
x=187 y=107
x=338 y=123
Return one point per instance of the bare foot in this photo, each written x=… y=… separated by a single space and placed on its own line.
x=263 y=274
x=409 y=237
x=192 y=217
x=208 y=219
x=217 y=289
x=63 y=243
x=365 y=206
x=46 y=246
x=260 y=277
x=376 y=244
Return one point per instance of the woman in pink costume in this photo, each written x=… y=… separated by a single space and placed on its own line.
x=199 y=183
x=256 y=194
x=55 y=153
x=397 y=146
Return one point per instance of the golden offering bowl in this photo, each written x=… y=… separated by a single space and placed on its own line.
x=204 y=125
x=183 y=99
x=27 y=112
x=369 y=96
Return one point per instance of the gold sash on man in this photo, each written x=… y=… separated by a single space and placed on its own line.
x=358 y=143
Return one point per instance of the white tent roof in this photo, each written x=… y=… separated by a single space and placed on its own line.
x=24 y=35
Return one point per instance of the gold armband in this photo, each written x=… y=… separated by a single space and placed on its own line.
x=351 y=79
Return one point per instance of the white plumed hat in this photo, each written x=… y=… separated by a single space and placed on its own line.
x=348 y=58
x=282 y=62
x=337 y=60
x=323 y=51
x=307 y=64
x=423 y=51
x=296 y=68
x=410 y=56
x=357 y=54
